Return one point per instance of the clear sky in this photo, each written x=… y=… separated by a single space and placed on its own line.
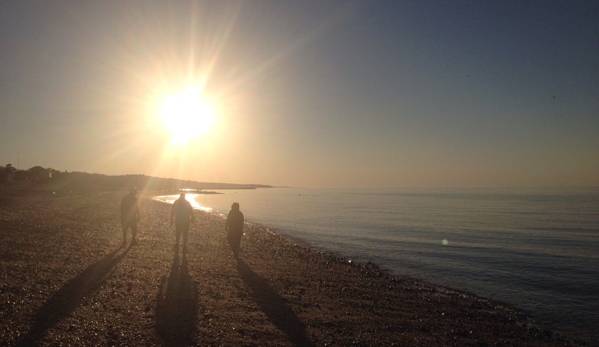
x=307 y=93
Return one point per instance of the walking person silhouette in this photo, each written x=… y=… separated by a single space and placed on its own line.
x=234 y=228
x=182 y=215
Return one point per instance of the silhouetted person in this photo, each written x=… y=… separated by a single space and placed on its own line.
x=234 y=228
x=182 y=213
x=129 y=215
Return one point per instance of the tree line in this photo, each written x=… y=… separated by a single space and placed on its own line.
x=56 y=179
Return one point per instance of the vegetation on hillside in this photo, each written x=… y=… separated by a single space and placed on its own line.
x=58 y=180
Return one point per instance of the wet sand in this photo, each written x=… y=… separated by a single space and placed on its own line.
x=65 y=279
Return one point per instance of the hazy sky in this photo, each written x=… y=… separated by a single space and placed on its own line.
x=308 y=93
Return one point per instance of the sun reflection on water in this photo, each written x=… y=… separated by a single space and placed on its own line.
x=191 y=197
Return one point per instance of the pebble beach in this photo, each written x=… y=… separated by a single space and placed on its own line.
x=67 y=280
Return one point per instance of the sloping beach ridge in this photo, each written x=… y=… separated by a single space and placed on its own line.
x=66 y=280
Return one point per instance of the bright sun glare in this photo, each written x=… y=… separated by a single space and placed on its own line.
x=187 y=115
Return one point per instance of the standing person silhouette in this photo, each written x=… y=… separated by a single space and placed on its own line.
x=234 y=228
x=182 y=214
x=129 y=215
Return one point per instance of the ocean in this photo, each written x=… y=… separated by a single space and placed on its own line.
x=533 y=249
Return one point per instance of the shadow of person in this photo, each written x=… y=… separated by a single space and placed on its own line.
x=176 y=305
x=67 y=298
x=274 y=306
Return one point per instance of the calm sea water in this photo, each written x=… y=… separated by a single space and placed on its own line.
x=535 y=249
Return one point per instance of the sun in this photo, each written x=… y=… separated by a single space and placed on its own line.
x=187 y=115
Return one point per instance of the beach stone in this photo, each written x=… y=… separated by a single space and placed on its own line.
x=66 y=280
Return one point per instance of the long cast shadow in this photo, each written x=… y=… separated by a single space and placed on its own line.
x=176 y=305
x=274 y=306
x=67 y=298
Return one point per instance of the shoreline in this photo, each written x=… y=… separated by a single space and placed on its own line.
x=546 y=314
x=67 y=281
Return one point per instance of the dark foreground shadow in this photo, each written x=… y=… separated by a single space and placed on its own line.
x=67 y=298
x=274 y=306
x=176 y=305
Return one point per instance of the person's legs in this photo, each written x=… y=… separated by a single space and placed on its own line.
x=231 y=241
x=234 y=239
x=133 y=232
x=124 y=226
x=177 y=233
x=185 y=234
x=237 y=243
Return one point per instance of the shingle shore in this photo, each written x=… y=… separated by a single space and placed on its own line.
x=65 y=280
